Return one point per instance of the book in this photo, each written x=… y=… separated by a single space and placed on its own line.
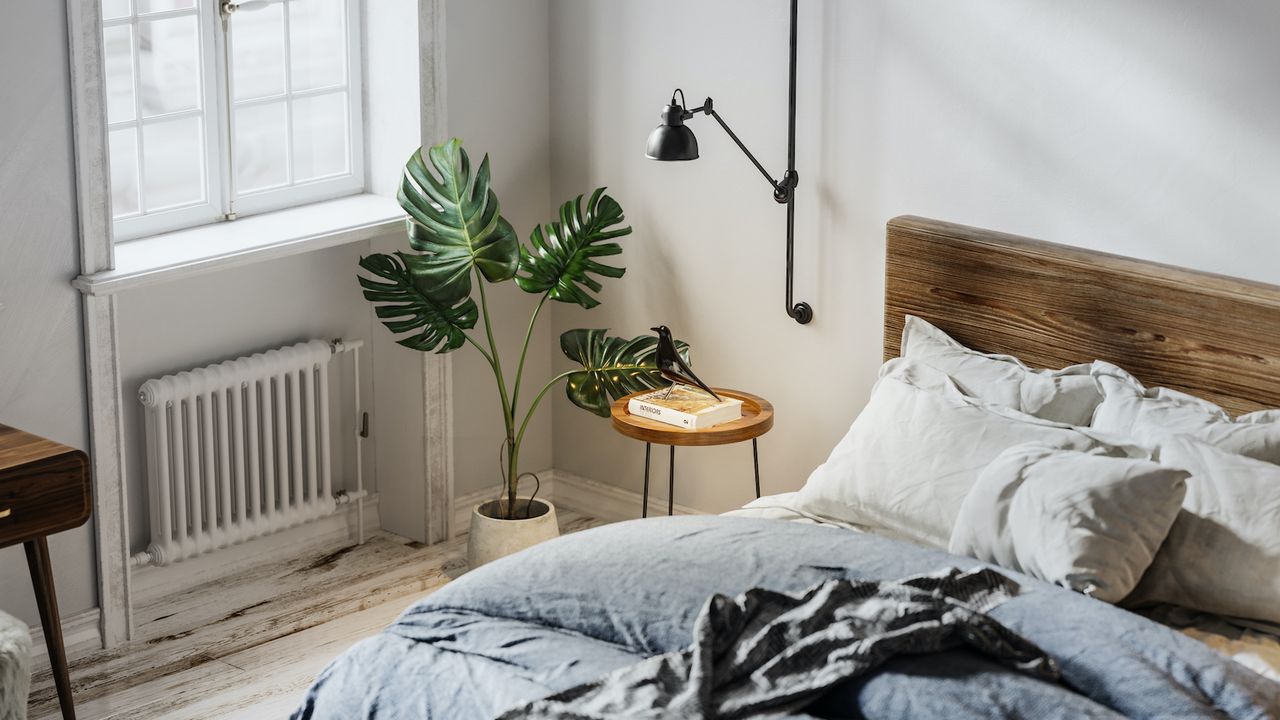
x=685 y=407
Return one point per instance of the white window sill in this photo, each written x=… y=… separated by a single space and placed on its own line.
x=175 y=255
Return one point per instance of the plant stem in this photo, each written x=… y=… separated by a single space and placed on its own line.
x=497 y=373
x=495 y=359
x=513 y=469
x=515 y=392
x=508 y=414
x=534 y=406
x=487 y=357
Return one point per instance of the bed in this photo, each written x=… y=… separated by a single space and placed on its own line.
x=1256 y=648
x=571 y=610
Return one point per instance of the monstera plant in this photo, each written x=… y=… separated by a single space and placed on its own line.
x=462 y=243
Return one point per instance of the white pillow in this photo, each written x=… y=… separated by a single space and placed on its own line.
x=1153 y=415
x=1068 y=395
x=911 y=456
x=1085 y=521
x=1222 y=554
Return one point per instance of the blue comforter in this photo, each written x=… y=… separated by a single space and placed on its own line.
x=572 y=609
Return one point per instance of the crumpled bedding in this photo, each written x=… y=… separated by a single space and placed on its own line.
x=770 y=653
x=573 y=609
x=1257 y=648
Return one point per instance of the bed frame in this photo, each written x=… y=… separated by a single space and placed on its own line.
x=1053 y=305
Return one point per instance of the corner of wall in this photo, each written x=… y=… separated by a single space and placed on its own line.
x=500 y=104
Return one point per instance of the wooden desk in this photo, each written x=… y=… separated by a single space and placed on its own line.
x=44 y=489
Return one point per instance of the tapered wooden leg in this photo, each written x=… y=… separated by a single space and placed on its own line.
x=47 y=602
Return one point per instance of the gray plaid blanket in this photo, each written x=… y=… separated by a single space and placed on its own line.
x=766 y=653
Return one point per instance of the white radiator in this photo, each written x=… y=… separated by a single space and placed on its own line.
x=239 y=450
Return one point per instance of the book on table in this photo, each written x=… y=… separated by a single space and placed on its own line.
x=686 y=407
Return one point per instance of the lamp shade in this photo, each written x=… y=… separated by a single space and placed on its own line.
x=672 y=139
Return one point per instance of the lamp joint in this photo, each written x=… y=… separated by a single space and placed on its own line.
x=785 y=189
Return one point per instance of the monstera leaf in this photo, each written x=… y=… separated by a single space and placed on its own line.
x=564 y=254
x=404 y=306
x=611 y=367
x=455 y=221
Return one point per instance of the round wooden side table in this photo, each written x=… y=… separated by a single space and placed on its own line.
x=756 y=420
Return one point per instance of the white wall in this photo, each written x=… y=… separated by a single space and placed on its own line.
x=1145 y=128
x=41 y=354
x=499 y=103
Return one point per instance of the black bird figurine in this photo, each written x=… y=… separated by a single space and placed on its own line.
x=672 y=366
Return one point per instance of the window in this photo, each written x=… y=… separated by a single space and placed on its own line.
x=221 y=109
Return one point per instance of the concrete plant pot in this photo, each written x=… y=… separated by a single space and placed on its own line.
x=491 y=537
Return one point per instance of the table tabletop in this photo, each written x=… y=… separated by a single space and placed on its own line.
x=21 y=448
x=756 y=420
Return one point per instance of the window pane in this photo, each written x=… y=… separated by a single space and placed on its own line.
x=169 y=58
x=257 y=52
x=173 y=163
x=123 y=153
x=319 y=136
x=117 y=51
x=317 y=43
x=145 y=6
x=114 y=9
x=261 y=141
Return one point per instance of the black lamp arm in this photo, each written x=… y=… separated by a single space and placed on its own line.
x=782 y=190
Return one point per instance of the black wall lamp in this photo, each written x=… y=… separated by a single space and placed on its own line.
x=673 y=140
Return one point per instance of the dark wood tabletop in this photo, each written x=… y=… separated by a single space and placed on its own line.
x=44 y=486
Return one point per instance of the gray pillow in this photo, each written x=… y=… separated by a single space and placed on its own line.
x=1090 y=521
x=1152 y=415
x=914 y=452
x=1223 y=552
x=1067 y=396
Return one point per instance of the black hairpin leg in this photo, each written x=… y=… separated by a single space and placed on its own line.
x=755 y=458
x=644 y=508
x=671 y=483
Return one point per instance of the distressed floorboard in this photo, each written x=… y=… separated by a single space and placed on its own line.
x=246 y=647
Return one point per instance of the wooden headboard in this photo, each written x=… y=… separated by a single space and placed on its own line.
x=1052 y=305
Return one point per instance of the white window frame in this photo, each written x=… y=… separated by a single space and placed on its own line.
x=218 y=105
x=207 y=211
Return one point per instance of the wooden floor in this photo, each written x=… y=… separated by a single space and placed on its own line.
x=247 y=647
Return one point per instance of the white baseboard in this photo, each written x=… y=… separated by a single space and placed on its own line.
x=81 y=635
x=579 y=494
x=604 y=501
x=151 y=582
x=462 y=506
